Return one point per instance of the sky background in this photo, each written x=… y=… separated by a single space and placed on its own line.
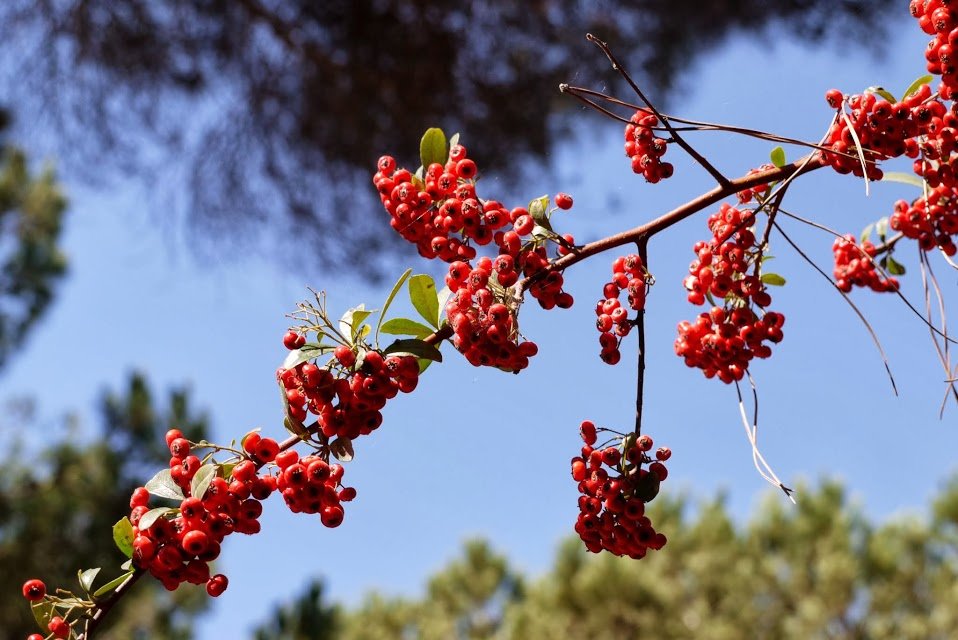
x=482 y=453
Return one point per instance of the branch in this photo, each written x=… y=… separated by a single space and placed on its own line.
x=649 y=229
x=640 y=328
x=103 y=608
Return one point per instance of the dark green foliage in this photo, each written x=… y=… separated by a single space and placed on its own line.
x=31 y=211
x=308 y=94
x=818 y=570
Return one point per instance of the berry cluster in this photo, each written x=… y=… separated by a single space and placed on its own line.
x=884 y=129
x=645 y=149
x=444 y=217
x=179 y=549
x=348 y=393
x=612 y=319
x=722 y=341
x=855 y=267
x=932 y=221
x=312 y=485
x=938 y=18
x=485 y=329
x=615 y=489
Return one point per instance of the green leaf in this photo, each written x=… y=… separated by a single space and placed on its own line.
x=422 y=294
x=201 y=480
x=904 y=178
x=406 y=327
x=917 y=84
x=351 y=323
x=127 y=565
x=414 y=347
x=777 y=157
x=442 y=298
x=389 y=300
x=454 y=140
x=539 y=210
x=881 y=228
x=305 y=353
x=883 y=92
x=87 y=577
x=42 y=612
x=773 y=279
x=424 y=364
x=112 y=584
x=162 y=485
x=866 y=233
x=152 y=516
x=432 y=147
x=342 y=448
x=123 y=536
x=894 y=267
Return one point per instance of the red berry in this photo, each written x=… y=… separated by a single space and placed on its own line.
x=563 y=200
x=216 y=585
x=293 y=340
x=59 y=627
x=34 y=590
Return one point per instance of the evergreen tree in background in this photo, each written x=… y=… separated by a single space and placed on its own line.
x=818 y=570
x=31 y=263
x=58 y=506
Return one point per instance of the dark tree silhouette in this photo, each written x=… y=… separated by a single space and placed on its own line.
x=270 y=113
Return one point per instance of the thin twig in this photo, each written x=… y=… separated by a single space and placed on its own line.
x=858 y=312
x=751 y=432
x=640 y=328
x=719 y=177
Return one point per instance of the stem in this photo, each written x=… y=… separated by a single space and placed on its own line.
x=640 y=327
x=715 y=173
x=103 y=608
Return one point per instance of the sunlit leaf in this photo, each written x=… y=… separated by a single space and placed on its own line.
x=42 y=612
x=432 y=147
x=389 y=299
x=152 y=516
x=422 y=294
x=406 y=327
x=773 y=279
x=917 y=84
x=904 y=178
x=112 y=584
x=894 y=267
x=162 y=485
x=123 y=536
x=884 y=93
x=87 y=577
x=777 y=156
x=201 y=480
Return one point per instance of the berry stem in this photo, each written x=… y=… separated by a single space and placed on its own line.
x=719 y=177
x=103 y=608
x=642 y=245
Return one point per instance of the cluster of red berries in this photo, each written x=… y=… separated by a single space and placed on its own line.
x=615 y=489
x=312 y=485
x=444 y=217
x=939 y=19
x=612 y=319
x=855 y=267
x=645 y=149
x=932 y=221
x=485 y=329
x=348 y=402
x=722 y=341
x=884 y=129
x=179 y=549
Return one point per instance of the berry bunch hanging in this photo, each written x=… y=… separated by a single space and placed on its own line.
x=614 y=490
x=645 y=149
x=612 y=318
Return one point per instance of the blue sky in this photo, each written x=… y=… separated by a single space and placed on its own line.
x=482 y=453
